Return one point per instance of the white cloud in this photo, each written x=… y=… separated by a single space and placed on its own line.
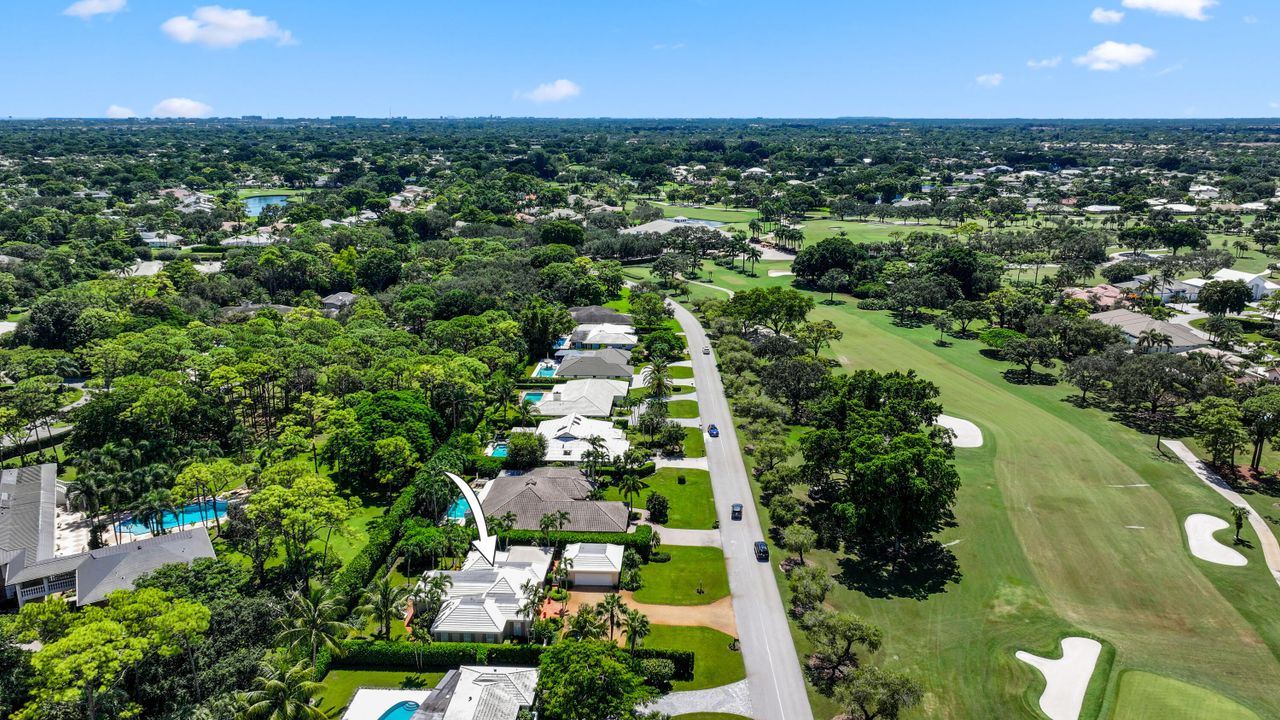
x=1112 y=55
x=179 y=107
x=120 y=112
x=219 y=27
x=990 y=80
x=1190 y=9
x=88 y=8
x=552 y=92
x=1102 y=16
x=1045 y=64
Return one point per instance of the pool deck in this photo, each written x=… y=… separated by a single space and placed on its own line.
x=370 y=703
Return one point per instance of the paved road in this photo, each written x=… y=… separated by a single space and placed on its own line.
x=773 y=668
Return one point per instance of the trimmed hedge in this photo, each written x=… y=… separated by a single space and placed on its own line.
x=638 y=540
x=396 y=654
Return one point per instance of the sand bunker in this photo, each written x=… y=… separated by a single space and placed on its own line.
x=1200 y=529
x=967 y=434
x=780 y=273
x=1066 y=679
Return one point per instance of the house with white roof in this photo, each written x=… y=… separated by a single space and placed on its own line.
x=591 y=397
x=1258 y=282
x=1102 y=209
x=594 y=564
x=484 y=602
x=603 y=335
x=569 y=437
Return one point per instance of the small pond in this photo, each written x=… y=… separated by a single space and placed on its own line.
x=255 y=205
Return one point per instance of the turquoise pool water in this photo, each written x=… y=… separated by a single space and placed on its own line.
x=546 y=372
x=499 y=450
x=193 y=513
x=400 y=711
x=459 y=509
x=533 y=396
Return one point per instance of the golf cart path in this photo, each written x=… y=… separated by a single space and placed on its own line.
x=734 y=698
x=967 y=434
x=713 y=287
x=1066 y=680
x=1270 y=547
x=1200 y=529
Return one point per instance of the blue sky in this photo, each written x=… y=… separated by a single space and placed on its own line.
x=659 y=58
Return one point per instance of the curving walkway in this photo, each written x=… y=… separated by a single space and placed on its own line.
x=1270 y=547
x=734 y=698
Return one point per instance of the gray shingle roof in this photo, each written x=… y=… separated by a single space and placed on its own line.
x=547 y=491
x=28 y=498
x=117 y=567
x=595 y=314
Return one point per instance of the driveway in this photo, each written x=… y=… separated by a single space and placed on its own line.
x=777 y=688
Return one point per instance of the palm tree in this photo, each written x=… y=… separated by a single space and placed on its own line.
x=586 y=624
x=1152 y=339
x=152 y=508
x=504 y=525
x=284 y=692
x=546 y=524
x=430 y=594
x=1239 y=515
x=658 y=380
x=754 y=254
x=313 y=622
x=535 y=595
x=754 y=226
x=630 y=485
x=85 y=494
x=635 y=625
x=614 y=610
x=383 y=600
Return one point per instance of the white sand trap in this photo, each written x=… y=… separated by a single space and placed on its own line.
x=780 y=273
x=1200 y=529
x=967 y=434
x=1066 y=679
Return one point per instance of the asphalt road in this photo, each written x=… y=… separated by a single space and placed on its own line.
x=773 y=668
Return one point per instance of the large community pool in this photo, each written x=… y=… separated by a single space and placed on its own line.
x=256 y=204
x=193 y=513
x=400 y=711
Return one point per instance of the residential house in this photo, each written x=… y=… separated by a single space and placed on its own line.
x=662 y=226
x=610 y=363
x=337 y=302
x=1102 y=296
x=34 y=566
x=1257 y=282
x=484 y=602
x=1133 y=325
x=590 y=397
x=1167 y=289
x=594 y=564
x=1102 y=209
x=602 y=336
x=548 y=491
x=569 y=437
x=598 y=315
x=471 y=692
x=160 y=240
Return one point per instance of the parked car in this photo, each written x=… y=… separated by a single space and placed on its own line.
x=706 y=349
x=713 y=431
x=735 y=511
x=762 y=551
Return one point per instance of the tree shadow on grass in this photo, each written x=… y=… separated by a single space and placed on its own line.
x=924 y=572
x=1022 y=377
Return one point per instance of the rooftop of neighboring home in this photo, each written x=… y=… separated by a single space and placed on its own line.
x=662 y=226
x=594 y=557
x=1104 y=296
x=592 y=397
x=1133 y=324
x=485 y=599
x=247 y=308
x=547 y=491
x=598 y=314
x=570 y=437
x=604 y=334
x=606 y=363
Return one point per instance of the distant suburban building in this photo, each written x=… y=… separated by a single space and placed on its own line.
x=1257 y=282
x=1167 y=289
x=547 y=491
x=33 y=566
x=483 y=604
x=1102 y=209
x=598 y=315
x=1133 y=324
x=160 y=240
x=569 y=437
x=337 y=302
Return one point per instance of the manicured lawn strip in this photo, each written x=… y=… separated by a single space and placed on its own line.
x=692 y=504
x=1043 y=543
x=715 y=663
x=341 y=685
x=676 y=582
x=244 y=193
x=681 y=372
x=683 y=408
x=695 y=444
x=345 y=546
x=1144 y=696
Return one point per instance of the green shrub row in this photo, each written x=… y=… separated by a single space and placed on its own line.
x=638 y=540
x=396 y=654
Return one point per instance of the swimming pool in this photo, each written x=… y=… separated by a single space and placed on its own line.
x=459 y=509
x=499 y=450
x=545 y=372
x=533 y=397
x=402 y=710
x=193 y=513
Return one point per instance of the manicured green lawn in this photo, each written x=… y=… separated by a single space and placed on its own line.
x=695 y=444
x=681 y=372
x=341 y=685
x=676 y=582
x=715 y=663
x=263 y=192
x=683 y=408
x=692 y=505
x=345 y=546
x=1045 y=548
x=709 y=716
x=1144 y=696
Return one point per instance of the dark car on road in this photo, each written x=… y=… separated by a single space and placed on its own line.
x=713 y=431
x=735 y=511
x=762 y=551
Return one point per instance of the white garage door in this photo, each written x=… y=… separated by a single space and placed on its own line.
x=594 y=579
